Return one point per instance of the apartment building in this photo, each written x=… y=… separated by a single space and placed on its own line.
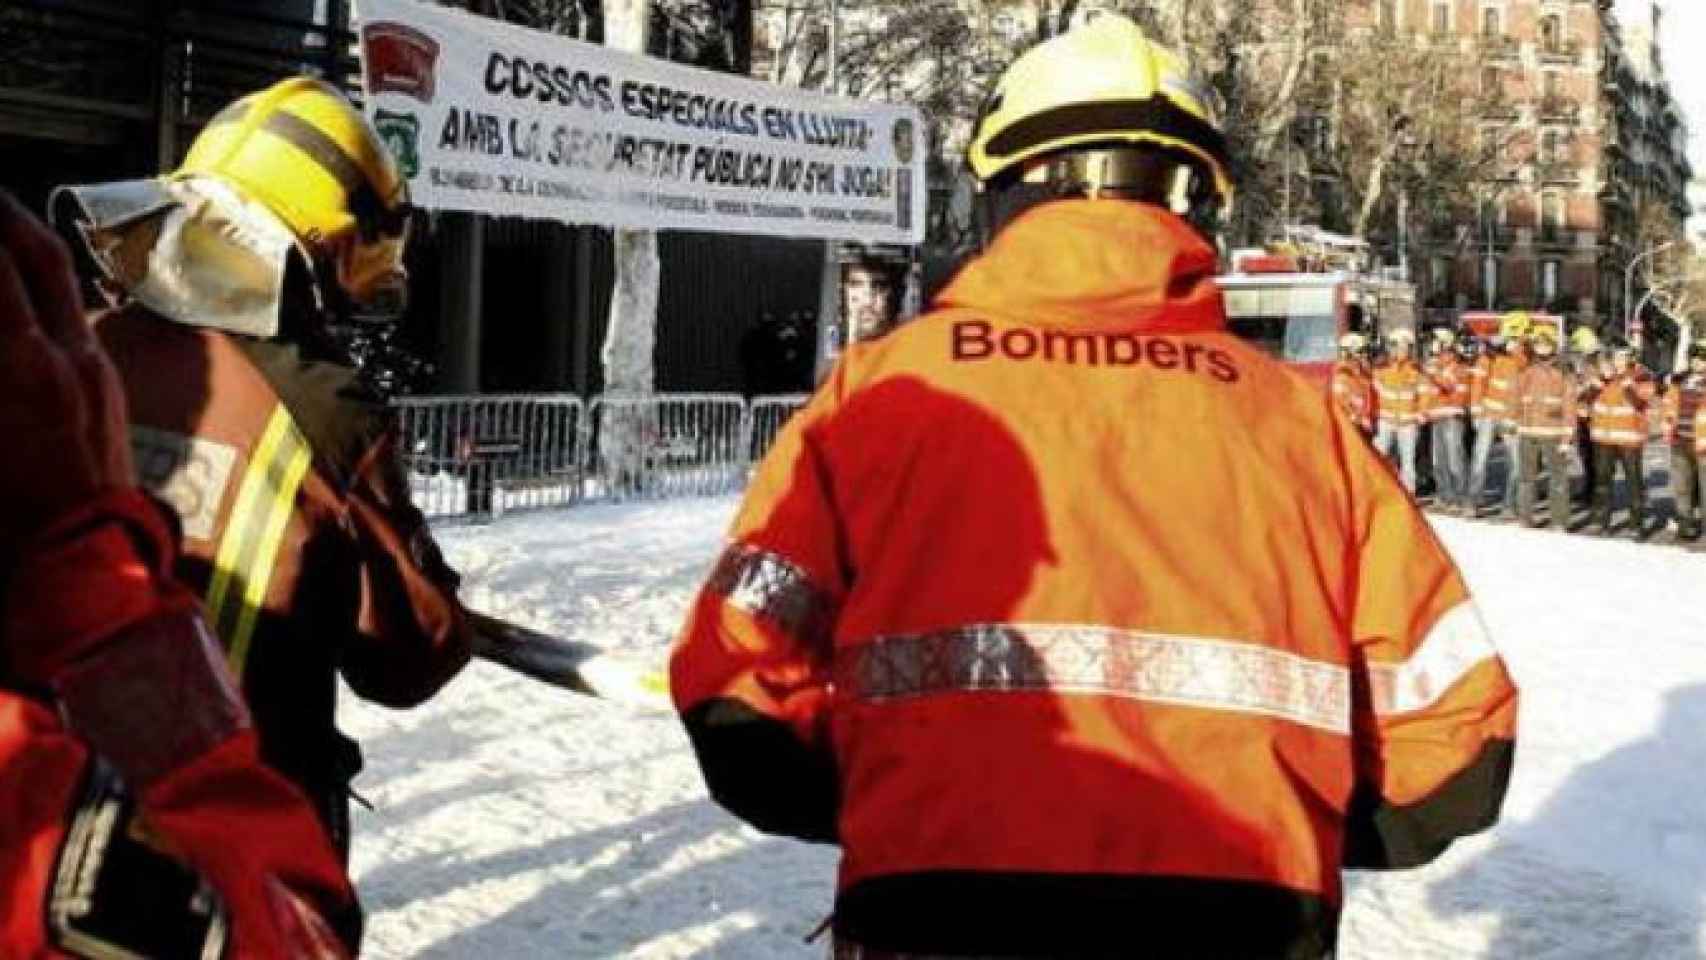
x=1589 y=136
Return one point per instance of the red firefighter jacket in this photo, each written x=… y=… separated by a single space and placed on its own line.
x=1399 y=385
x=1620 y=405
x=1685 y=414
x=1353 y=390
x=1073 y=619
x=100 y=650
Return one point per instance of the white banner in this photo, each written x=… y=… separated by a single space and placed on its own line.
x=493 y=118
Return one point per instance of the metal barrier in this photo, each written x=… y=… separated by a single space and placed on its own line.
x=479 y=457
x=671 y=445
x=765 y=419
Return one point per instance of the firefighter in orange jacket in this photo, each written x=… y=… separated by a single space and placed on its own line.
x=1685 y=431
x=107 y=668
x=1446 y=398
x=1496 y=420
x=986 y=622
x=1353 y=386
x=287 y=217
x=1546 y=398
x=1398 y=386
x=1621 y=428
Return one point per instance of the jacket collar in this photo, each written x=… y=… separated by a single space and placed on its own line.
x=1109 y=264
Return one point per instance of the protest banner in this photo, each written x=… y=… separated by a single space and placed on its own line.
x=492 y=118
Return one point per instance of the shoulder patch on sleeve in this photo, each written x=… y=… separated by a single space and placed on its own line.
x=190 y=473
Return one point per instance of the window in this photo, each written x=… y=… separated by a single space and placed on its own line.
x=1490 y=141
x=1492 y=81
x=1389 y=14
x=1551 y=34
x=1549 y=280
x=1552 y=213
x=1549 y=85
x=1441 y=276
x=1490 y=26
x=1549 y=152
x=1442 y=19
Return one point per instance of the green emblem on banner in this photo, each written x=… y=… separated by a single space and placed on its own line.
x=401 y=133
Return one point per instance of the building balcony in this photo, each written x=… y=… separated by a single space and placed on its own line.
x=1500 y=48
x=1560 y=173
x=1560 y=110
x=1565 y=52
x=1554 y=238
x=1502 y=109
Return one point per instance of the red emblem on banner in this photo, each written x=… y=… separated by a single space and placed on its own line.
x=400 y=59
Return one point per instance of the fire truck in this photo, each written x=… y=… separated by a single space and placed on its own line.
x=1295 y=299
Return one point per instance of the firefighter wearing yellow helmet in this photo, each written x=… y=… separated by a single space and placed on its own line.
x=1548 y=396
x=1496 y=421
x=286 y=217
x=1082 y=356
x=1102 y=111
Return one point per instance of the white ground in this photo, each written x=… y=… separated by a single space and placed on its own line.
x=516 y=821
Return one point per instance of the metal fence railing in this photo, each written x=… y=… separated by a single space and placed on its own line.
x=479 y=457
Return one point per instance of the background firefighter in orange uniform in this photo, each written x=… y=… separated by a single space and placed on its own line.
x=1353 y=384
x=1496 y=423
x=1546 y=398
x=288 y=215
x=1081 y=626
x=1621 y=428
x=1685 y=431
x=106 y=667
x=1398 y=385
x=1445 y=391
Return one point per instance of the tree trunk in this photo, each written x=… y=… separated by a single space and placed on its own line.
x=631 y=338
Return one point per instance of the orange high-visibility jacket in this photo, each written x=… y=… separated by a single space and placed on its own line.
x=1399 y=385
x=1618 y=416
x=1084 y=627
x=1445 y=389
x=1546 y=400
x=1685 y=414
x=1498 y=403
x=1353 y=390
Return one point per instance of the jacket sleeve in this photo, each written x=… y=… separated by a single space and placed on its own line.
x=1434 y=710
x=412 y=636
x=750 y=673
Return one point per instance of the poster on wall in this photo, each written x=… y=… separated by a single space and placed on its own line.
x=488 y=117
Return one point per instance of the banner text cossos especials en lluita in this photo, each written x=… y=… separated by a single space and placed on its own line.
x=488 y=117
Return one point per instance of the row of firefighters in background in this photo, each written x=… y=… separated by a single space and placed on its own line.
x=1518 y=391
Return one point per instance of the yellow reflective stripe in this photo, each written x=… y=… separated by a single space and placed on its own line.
x=248 y=551
x=260 y=576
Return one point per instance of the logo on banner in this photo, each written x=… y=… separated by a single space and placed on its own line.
x=401 y=133
x=904 y=143
x=400 y=59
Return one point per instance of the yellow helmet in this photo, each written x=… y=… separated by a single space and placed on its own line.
x=300 y=149
x=1514 y=326
x=1444 y=337
x=1102 y=85
x=1584 y=341
x=1543 y=338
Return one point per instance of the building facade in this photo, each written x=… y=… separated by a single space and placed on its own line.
x=1590 y=143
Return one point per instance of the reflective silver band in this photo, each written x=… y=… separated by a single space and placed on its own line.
x=1457 y=644
x=767 y=586
x=1156 y=668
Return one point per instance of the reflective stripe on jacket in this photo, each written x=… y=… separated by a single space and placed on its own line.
x=1685 y=413
x=1546 y=401
x=1618 y=416
x=987 y=622
x=1398 y=384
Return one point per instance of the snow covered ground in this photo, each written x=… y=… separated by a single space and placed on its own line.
x=515 y=821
